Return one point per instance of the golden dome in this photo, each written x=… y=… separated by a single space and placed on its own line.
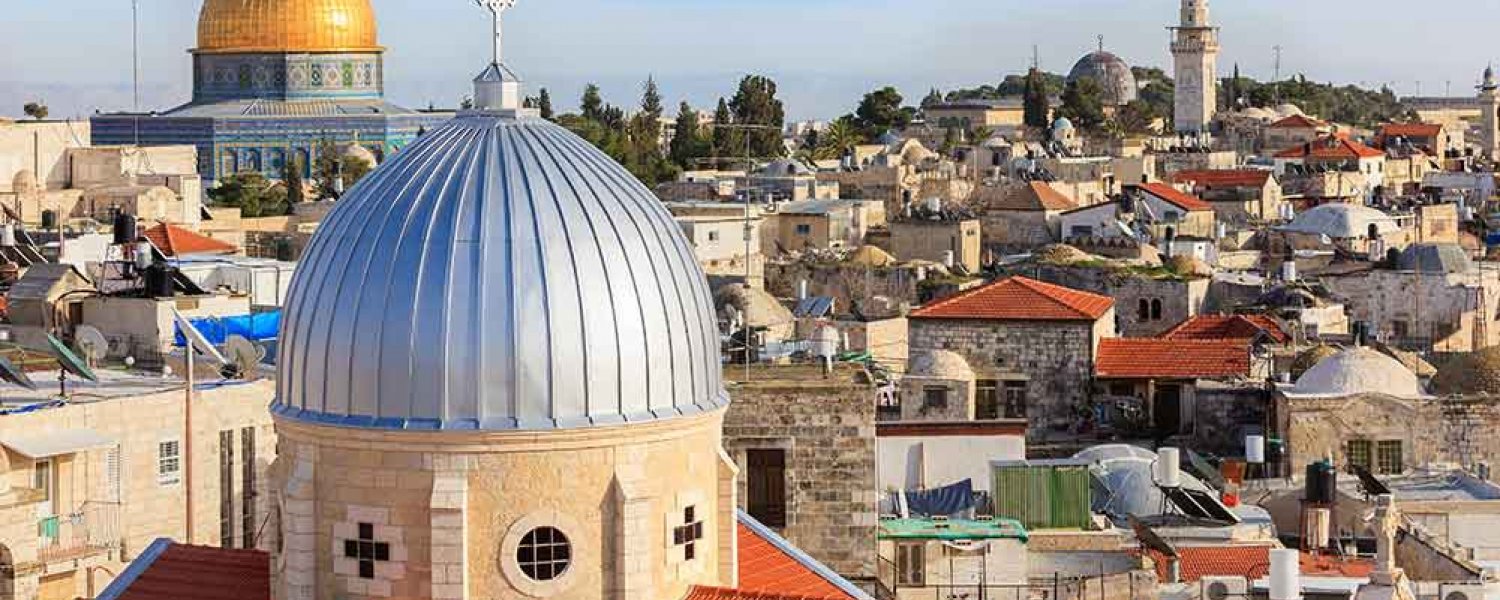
x=230 y=26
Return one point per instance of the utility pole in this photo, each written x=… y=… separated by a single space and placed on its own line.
x=135 y=59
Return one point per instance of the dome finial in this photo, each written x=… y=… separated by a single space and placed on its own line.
x=497 y=88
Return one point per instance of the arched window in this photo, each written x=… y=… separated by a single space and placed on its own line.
x=1156 y=310
x=1144 y=312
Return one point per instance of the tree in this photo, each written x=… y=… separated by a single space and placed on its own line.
x=544 y=104
x=688 y=144
x=333 y=170
x=1136 y=118
x=651 y=99
x=755 y=103
x=951 y=138
x=35 y=110
x=252 y=193
x=1083 y=104
x=1232 y=90
x=838 y=139
x=291 y=178
x=1036 y=101
x=725 y=140
x=591 y=106
x=881 y=111
x=933 y=97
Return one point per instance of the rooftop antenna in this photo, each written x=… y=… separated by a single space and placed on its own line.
x=1101 y=42
x=1036 y=57
x=135 y=58
x=1276 y=79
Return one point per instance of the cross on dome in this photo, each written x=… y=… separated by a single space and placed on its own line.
x=497 y=10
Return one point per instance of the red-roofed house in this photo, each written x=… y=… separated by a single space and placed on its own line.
x=1228 y=327
x=1251 y=562
x=1168 y=208
x=1020 y=334
x=174 y=241
x=1293 y=130
x=1333 y=153
x=1168 y=377
x=1239 y=196
x=1020 y=216
x=1435 y=139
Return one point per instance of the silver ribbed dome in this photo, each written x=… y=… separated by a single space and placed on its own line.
x=500 y=273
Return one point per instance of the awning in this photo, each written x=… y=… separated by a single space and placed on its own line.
x=55 y=443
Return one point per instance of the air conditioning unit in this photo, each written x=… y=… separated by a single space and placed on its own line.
x=1461 y=591
x=1225 y=588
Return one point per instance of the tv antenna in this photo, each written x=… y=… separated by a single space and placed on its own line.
x=1276 y=79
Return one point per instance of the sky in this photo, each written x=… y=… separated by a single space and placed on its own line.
x=75 y=55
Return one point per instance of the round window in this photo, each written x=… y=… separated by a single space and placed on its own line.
x=544 y=554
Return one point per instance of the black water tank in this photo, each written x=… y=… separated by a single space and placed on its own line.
x=1322 y=481
x=49 y=220
x=159 y=281
x=125 y=232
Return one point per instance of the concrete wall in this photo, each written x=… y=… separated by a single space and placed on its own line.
x=41 y=148
x=146 y=324
x=914 y=462
x=932 y=240
x=827 y=428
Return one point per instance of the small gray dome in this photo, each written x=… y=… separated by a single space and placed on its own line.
x=498 y=274
x=1435 y=258
x=1111 y=73
x=941 y=364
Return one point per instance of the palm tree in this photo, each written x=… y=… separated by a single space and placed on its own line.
x=837 y=140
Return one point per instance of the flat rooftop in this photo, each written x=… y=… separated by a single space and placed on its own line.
x=951 y=529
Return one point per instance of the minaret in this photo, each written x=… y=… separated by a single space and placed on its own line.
x=1489 y=102
x=1195 y=54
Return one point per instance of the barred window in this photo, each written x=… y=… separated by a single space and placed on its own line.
x=169 y=462
x=1360 y=454
x=1388 y=457
x=544 y=554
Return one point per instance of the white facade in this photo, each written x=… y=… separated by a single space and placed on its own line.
x=1195 y=56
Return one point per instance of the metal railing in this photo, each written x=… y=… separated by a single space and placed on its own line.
x=1132 y=585
x=93 y=528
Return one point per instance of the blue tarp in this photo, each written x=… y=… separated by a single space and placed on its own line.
x=941 y=502
x=256 y=327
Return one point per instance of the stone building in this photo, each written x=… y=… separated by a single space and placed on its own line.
x=1018 y=331
x=1362 y=408
x=1293 y=130
x=88 y=484
x=804 y=442
x=1240 y=198
x=954 y=241
x=1146 y=305
x=1435 y=304
x=1019 y=217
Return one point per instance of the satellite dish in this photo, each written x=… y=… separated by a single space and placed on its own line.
x=9 y=372
x=196 y=341
x=244 y=356
x=69 y=361
x=91 y=343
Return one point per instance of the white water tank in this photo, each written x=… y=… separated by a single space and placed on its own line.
x=1286 y=574
x=802 y=289
x=1289 y=271
x=826 y=342
x=935 y=204
x=948 y=259
x=1169 y=468
x=1255 y=449
x=1319 y=527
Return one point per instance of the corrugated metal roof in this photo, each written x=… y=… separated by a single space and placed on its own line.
x=499 y=273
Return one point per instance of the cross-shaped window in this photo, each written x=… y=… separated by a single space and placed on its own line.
x=366 y=550
x=688 y=534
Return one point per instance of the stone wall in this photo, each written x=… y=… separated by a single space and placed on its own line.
x=827 y=427
x=1016 y=231
x=932 y=240
x=1314 y=427
x=1224 y=414
x=1055 y=358
x=1425 y=311
x=1180 y=299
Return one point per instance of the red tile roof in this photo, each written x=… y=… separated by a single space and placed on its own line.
x=765 y=568
x=1155 y=358
x=715 y=593
x=1411 y=130
x=1019 y=299
x=1331 y=147
x=176 y=241
x=1252 y=562
x=1299 y=122
x=1227 y=327
x=1224 y=178
x=1173 y=196
x=171 y=571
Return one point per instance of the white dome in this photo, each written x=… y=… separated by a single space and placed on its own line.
x=499 y=273
x=1358 y=371
x=941 y=364
x=1342 y=221
x=361 y=153
x=1289 y=110
x=24 y=182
